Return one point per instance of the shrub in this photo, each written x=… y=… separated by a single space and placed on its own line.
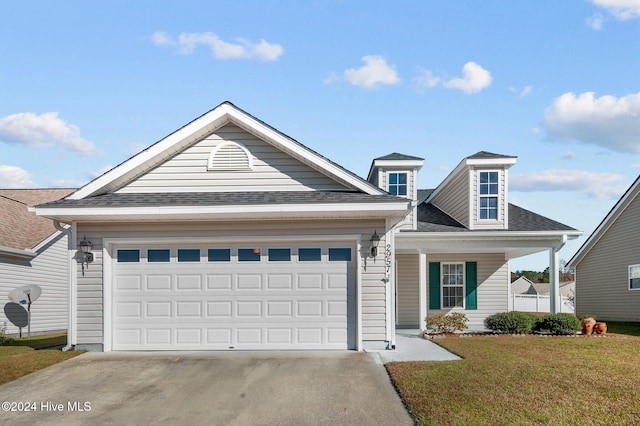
x=510 y=322
x=563 y=324
x=447 y=323
x=4 y=339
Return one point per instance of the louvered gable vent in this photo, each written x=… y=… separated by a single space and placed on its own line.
x=230 y=156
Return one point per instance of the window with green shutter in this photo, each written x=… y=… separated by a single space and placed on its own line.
x=448 y=286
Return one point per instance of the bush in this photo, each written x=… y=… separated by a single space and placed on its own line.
x=564 y=324
x=4 y=339
x=447 y=323
x=510 y=322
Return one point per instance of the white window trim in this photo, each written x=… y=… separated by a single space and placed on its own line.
x=464 y=285
x=498 y=196
x=405 y=172
x=629 y=278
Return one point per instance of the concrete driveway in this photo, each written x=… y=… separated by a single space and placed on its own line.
x=216 y=388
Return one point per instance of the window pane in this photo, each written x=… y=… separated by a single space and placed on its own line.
x=249 y=255
x=393 y=190
x=125 y=256
x=634 y=276
x=279 y=255
x=188 y=255
x=393 y=178
x=160 y=255
x=219 y=255
x=309 y=254
x=402 y=190
x=337 y=254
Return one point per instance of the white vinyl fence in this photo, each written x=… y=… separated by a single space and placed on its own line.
x=537 y=303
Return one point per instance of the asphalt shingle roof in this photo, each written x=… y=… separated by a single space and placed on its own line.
x=398 y=156
x=222 y=198
x=19 y=228
x=480 y=155
x=432 y=219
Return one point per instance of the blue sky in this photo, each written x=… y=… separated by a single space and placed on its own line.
x=85 y=85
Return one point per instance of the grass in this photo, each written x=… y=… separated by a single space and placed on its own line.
x=24 y=356
x=526 y=381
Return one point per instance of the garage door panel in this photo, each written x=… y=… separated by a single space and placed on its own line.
x=234 y=305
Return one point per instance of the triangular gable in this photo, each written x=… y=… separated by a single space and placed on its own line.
x=232 y=160
x=627 y=198
x=214 y=120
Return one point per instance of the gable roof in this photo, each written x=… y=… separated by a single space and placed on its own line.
x=398 y=156
x=21 y=229
x=627 y=198
x=204 y=125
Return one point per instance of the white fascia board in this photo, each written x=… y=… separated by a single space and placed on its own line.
x=490 y=162
x=206 y=124
x=231 y=211
x=156 y=150
x=297 y=150
x=450 y=177
x=606 y=223
x=399 y=163
x=16 y=253
x=480 y=238
x=47 y=240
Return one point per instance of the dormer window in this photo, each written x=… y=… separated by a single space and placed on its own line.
x=489 y=187
x=398 y=184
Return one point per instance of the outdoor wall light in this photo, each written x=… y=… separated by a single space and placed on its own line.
x=374 y=240
x=85 y=249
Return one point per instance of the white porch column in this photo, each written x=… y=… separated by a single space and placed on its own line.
x=422 y=292
x=554 y=282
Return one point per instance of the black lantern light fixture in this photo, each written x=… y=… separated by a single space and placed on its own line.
x=85 y=249
x=374 y=240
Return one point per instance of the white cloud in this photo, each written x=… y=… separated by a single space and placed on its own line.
x=475 y=78
x=67 y=183
x=426 y=79
x=14 y=177
x=375 y=72
x=596 y=21
x=186 y=44
x=599 y=185
x=101 y=171
x=620 y=9
x=43 y=130
x=606 y=121
x=636 y=166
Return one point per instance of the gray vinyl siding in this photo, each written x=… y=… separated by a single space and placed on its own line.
x=48 y=270
x=602 y=280
x=455 y=198
x=408 y=289
x=493 y=286
x=90 y=291
x=273 y=170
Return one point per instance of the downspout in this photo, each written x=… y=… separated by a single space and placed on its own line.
x=70 y=289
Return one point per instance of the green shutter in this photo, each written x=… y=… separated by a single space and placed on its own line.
x=471 y=301
x=434 y=285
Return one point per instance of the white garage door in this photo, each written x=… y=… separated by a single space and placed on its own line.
x=249 y=296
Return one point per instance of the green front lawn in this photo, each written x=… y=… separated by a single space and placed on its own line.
x=526 y=380
x=23 y=356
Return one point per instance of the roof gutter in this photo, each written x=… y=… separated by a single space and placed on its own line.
x=71 y=289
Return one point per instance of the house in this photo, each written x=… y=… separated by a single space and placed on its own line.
x=33 y=251
x=608 y=263
x=522 y=285
x=228 y=234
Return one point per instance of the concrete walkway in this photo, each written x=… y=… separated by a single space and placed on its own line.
x=411 y=347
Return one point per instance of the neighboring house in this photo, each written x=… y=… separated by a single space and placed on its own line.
x=522 y=285
x=608 y=264
x=32 y=251
x=228 y=234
